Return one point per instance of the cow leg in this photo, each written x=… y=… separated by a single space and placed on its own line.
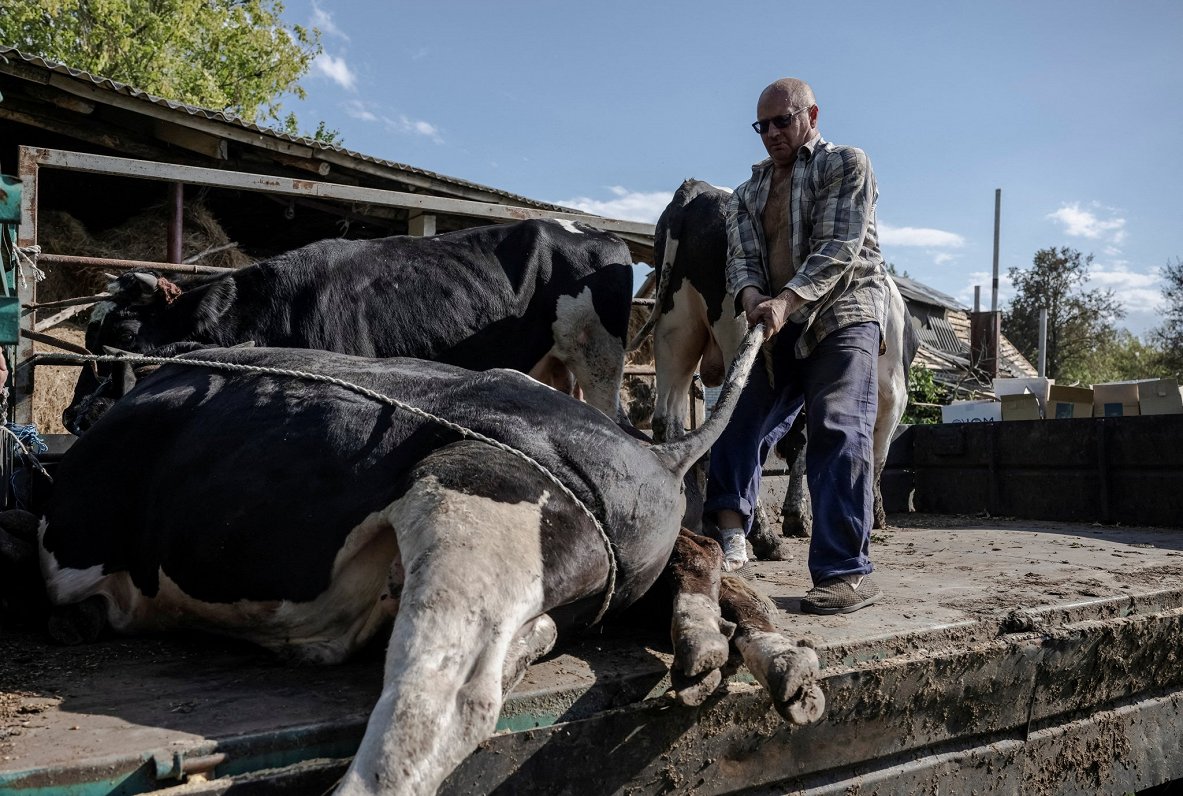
x=797 y=511
x=698 y=631
x=536 y=638
x=470 y=617
x=679 y=340
x=788 y=671
x=893 y=400
x=595 y=357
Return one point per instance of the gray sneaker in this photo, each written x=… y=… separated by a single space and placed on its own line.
x=841 y=595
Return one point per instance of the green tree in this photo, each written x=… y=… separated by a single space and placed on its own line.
x=1121 y=356
x=235 y=56
x=1169 y=336
x=925 y=397
x=1078 y=321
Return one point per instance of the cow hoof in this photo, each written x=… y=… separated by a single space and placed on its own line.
x=806 y=709
x=693 y=691
x=797 y=526
x=78 y=623
x=788 y=673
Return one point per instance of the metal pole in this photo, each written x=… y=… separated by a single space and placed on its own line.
x=1043 y=341
x=997 y=223
x=977 y=298
x=176 y=203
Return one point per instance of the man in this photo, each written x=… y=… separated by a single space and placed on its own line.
x=803 y=259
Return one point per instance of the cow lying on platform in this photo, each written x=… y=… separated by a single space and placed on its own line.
x=551 y=299
x=318 y=509
x=695 y=319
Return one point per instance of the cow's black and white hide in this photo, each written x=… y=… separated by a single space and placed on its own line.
x=696 y=324
x=309 y=515
x=547 y=298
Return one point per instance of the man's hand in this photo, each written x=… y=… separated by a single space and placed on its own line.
x=772 y=311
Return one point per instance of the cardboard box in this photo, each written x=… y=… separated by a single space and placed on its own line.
x=1023 y=406
x=1159 y=397
x=1036 y=385
x=1069 y=402
x=971 y=412
x=1115 y=399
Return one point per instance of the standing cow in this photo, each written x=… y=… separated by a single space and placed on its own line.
x=345 y=509
x=551 y=299
x=695 y=318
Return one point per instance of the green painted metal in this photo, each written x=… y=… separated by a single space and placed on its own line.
x=10 y=320
x=10 y=199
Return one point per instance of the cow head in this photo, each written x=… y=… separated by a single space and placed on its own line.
x=122 y=322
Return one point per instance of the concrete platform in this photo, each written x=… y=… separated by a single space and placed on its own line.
x=998 y=645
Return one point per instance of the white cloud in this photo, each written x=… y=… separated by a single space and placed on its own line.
x=983 y=280
x=358 y=110
x=1086 y=223
x=941 y=258
x=323 y=21
x=919 y=236
x=625 y=204
x=334 y=69
x=1137 y=292
x=404 y=124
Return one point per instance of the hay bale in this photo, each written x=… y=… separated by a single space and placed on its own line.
x=142 y=237
x=54 y=386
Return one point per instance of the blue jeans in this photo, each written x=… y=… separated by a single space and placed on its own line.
x=837 y=384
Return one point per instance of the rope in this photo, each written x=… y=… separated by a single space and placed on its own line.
x=23 y=256
x=26 y=437
x=387 y=400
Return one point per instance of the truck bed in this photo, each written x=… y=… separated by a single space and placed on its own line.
x=1005 y=656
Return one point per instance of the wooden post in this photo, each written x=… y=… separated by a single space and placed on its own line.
x=421 y=225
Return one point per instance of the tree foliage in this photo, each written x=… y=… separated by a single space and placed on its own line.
x=925 y=397
x=1169 y=336
x=231 y=55
x=1079 y=320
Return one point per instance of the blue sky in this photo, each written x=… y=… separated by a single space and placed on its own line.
x=1073 y=109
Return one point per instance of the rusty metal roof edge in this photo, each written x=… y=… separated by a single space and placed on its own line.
x=223 y=117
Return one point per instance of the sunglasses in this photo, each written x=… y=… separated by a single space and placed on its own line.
x=780 y=122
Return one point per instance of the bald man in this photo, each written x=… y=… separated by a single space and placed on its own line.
x=803 y=258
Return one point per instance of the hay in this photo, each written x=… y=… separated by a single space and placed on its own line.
x=54 y=386
x=141 y=237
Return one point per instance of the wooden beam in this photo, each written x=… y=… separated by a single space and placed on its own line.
x=195 y=141
x=312 y=165
x=60 y=99
x=195 y=175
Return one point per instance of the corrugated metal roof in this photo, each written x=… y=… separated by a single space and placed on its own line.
x=924 y=294
x=230 y=119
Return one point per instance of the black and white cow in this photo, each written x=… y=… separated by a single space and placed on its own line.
x=316 y=512
x=694 y=319
x=547 y=298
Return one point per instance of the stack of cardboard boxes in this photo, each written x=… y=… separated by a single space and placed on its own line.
x=1036 y=398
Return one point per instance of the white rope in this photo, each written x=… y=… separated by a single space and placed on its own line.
x=22 y=257
x=389 y=401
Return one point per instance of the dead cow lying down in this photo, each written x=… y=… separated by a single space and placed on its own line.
x=301 y=515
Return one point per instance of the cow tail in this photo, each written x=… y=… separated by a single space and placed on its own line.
x=680 y=455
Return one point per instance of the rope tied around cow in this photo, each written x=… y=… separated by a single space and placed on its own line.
x=381 y=398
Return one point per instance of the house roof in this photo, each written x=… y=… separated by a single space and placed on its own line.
x=110 y=117
x=923 y=294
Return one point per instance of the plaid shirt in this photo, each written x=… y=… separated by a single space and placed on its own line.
x=837 y=267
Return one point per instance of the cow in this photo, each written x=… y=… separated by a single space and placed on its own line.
x=694 y=319
x=483 y=511
x=551 y=299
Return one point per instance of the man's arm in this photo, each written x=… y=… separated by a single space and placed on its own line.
x=745 y=266
x=841 y=215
